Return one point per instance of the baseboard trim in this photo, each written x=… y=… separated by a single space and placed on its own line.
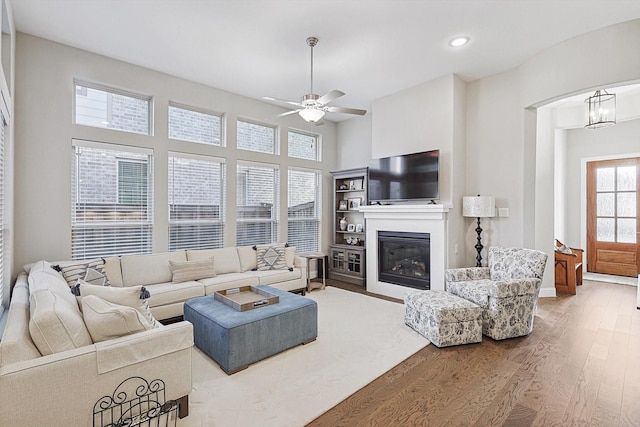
x=547 y=293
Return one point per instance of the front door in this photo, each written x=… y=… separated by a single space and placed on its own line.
x=613 y=209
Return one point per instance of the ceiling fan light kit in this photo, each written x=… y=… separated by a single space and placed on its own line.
x=313 y=107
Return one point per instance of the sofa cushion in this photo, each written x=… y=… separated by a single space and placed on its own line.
x=290 y=256
x=133 y=296
x=113 y=270
x=276 y=276
x=106 y=320
x=228 y=281
x=184 y=271
x=91 y=271
x=476 y=291
x=248 y=259
x=148 y=269
x=168 y=293
x=52 y=281
x=56 y=325
x=226 y=260
x=270 y=257
x=16 y=343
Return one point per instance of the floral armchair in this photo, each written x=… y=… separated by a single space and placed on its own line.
x=507 y=290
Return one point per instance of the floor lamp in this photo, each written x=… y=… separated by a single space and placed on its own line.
x=478 y=207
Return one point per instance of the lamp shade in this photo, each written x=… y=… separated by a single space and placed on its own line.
x=311 y=115
x=479 y=206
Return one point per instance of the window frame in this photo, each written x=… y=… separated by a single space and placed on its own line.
x=318 y=207
x=223 y=196
x=194 y=109
x=148 y=223
x=276 y=135
x=149 y=99
x=318 y=141
x=277 y=193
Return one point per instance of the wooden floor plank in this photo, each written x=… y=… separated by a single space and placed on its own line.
x=580 y=366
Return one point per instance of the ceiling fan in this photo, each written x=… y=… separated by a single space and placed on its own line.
x=313 y=107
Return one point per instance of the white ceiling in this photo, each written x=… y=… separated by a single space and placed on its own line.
x=367 y=48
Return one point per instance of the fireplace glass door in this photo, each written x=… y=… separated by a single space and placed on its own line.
x=404 y=259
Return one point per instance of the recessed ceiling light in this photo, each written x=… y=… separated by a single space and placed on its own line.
x=458 y=41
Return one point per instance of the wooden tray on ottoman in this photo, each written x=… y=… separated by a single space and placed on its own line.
x=246 y=297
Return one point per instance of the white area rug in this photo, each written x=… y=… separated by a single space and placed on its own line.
x=359 y=339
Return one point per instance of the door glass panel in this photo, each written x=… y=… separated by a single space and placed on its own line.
x=627 y=178
x=605 y=179
x=626 y=230
x=626 y=205
x=605 y=204
x=605 y=229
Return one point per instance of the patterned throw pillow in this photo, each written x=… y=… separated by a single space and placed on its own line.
x=184 y=271
x=91 y=271
x=271 y=257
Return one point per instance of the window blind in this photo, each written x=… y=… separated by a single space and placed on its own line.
x=196 y=202
x=257 y=201
x=112 y=200
x=303 y=210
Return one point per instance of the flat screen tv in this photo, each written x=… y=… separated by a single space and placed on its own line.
x=404 y=178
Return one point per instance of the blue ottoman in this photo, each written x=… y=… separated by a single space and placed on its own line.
x=235 y=339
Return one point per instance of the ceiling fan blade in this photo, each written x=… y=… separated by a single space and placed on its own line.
x=289 y=112
x=346 y=110
x=284 y=101
x=327 y=98
x=319 y=122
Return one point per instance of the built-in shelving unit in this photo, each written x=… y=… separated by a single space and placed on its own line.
x=347 y=257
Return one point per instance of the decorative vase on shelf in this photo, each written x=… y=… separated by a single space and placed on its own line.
x=343 y=224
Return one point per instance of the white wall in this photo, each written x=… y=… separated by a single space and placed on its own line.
x=354 y=142
x=502 y=136
x=583 y=145
x=44 y=130
x=503 y=156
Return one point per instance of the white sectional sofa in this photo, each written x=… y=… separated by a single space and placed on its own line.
x=52 y=376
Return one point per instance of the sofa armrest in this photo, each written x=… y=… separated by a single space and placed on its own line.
x=466 y=274
x=66 y=385
x=300 y=262
x=509 y=288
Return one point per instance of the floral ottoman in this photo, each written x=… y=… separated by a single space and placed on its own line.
x=443 y=318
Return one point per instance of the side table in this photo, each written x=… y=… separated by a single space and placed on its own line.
x=321 y=264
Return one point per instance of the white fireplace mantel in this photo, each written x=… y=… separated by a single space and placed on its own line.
x=429 y=218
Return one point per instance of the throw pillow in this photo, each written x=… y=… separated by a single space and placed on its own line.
x=131 y=296
x=91 y=271
x=563 y=249
x=106 y=320
x=271 y=257
x=184 y=271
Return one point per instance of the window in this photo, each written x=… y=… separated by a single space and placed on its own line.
x=257 y=204
x=192 y=125
x=304 y=210
x=112 y=200
x=196 y=202
x=304 y=145
x=110 y=108
x=256 y=137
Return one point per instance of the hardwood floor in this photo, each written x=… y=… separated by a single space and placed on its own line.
x=579 y=366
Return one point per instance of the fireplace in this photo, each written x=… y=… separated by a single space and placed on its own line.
x=404 y=258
